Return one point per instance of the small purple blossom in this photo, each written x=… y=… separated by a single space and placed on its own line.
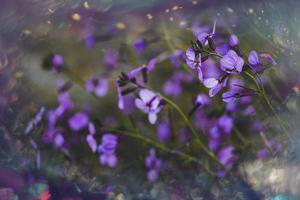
x=164 y=131
x=193 y=60
x=226 y=124
x=65 y=104
x=97 y=85
x=259 y=63
x=214 y=85
x=233 y=40
x=57 y=62
x=202 y=100
x=111 y=57
x=203 y=36
x=139 y=45
x=153 y=164
x=149 y=102
x=232 y=63
x=78 y=121
x=91 y=142
x=226 y=156
x=107 y=150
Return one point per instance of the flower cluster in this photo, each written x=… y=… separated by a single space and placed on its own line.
x=107 y=150
x=153 y=165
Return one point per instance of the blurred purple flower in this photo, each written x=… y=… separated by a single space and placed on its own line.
x=222 y=49
x=57 y=62
x=153 y=164
x=59 y=140
x=78 y=121
x=259 y=63
x=111 y=57
x=226 y=124
x=91 y=142
x=139 y=45
x=146 y=68
x=176 y=58
x=65 y=104
x=233 y=40
x=149 y=102
x=226 y=156
x=107 y=150
x=202 y=100
x=164 y=131
x=97 y=85
x=232 y=63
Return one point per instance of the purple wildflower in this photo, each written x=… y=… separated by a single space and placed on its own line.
x=233 y=40
x=232 y=63
x=111 y=59
x=97 y=85
x=139 y=45
x=146 y=68
x=202 y=100
x=203 y=36
x=91 y=142
x=107 y=150
x=153 y=164
x=226 y=124
x=57 y=62
x=176 y=58
x=164 y=131
x=259 y=63
x=222 y=49
x=193 y=60
x=78 y=121
x=226 y=156
x=215 y=85
x=65 y=104
x=59 y=140
x=149 y=102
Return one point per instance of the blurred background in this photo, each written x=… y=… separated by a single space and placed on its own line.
x=86 y=34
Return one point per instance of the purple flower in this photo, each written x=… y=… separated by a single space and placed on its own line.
x=65 y=104
x=107 y=150
x=111 y=59
x=193 y=60
x=91 y=142
x=233 y=40
x=59 y=140
x=149 y=102
x=139 y=45
x=226 y=124
x=215 y=85
x=214 y=144
x=97 y=85
x=176 y=58
x=153 y=164
x=164 y=131
x=226 y=156
x=222 y=49
x=203 y=36
x=263 y=153
x=57 y=62
x=259 y=63
x=78 y=121
x=202 y=100
x=232 y=63
x=173 y=86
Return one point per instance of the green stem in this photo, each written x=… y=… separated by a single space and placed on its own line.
x=262 y=92
x=188 y=123
x=161 y=147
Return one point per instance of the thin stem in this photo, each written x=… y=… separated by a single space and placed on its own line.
x=188 y=123
x=162 y=147
x=262 y=92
